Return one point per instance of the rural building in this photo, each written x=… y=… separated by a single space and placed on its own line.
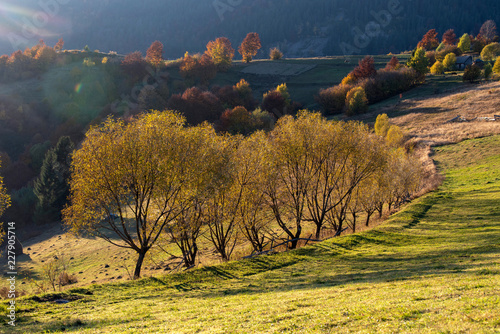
x=479 y=62
x=463 y=62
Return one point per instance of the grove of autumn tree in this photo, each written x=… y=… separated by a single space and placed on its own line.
x=154 y=179
x=198 y=68
x=221 y=52
x=250 y=46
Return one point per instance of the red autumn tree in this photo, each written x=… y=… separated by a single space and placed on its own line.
x=198 y=68
x=274 y=103
x=449 y=37
x=393 y=64
x=45 y=56
x=429 y=41
x=207 y=70
x=237 y=121
x=488 y=31
x=365 y=69
x=250 y=46
x=59 y=45
x=188 y=66
x=134 y=66
x=154 y=55
x=197 y=105
x=221 y=52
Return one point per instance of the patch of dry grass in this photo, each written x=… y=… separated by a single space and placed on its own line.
x=426 y=120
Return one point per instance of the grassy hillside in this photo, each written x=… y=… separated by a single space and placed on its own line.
x=304 y=77
x=434 y=267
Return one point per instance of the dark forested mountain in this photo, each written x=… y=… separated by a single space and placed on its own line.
x=298 y=27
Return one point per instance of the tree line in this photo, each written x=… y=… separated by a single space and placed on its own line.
x=154 y=178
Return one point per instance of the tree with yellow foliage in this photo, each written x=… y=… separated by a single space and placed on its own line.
x=221 y=52
x=126 y=181
x=253 y=161
x=382 y=125
x=185 y=228
x=438 y=68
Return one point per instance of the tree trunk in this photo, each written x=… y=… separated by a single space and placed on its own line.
x=339 y=229
x=190 y=255
x=318 y=230
x=380 y=209
x=354 y=218
x=294 y=241
x=368 y=216
x=138 y=265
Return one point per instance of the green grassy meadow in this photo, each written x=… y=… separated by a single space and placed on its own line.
x=434 y=267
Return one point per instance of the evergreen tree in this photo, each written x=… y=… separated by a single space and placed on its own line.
x=63 y=150
x=472 y=73
x=51 y=187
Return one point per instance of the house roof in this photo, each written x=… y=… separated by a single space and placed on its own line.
x=464 y=59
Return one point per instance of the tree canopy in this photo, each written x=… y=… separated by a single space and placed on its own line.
x=250 y=46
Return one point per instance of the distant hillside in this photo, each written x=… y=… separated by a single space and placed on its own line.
x=299 y=28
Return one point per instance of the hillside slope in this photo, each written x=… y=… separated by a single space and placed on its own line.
x=434 y=267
